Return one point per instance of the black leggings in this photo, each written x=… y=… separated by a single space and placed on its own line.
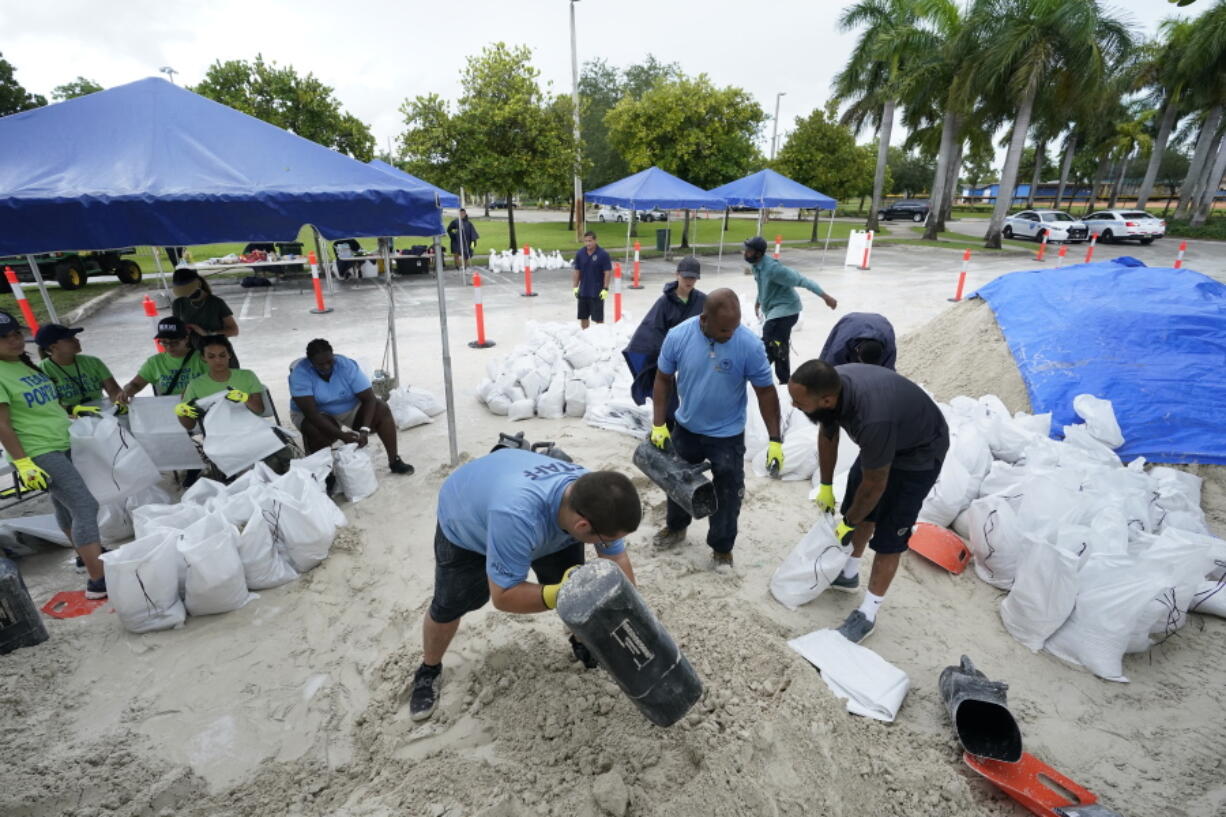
x=777 y=336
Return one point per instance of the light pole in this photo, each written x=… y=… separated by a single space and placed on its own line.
x=775 y=127
x=169 y=72
x=574 y=99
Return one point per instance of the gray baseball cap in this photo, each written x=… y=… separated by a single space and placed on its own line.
x=689 y=267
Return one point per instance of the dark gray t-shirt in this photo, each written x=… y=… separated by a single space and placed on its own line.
x=894 y=421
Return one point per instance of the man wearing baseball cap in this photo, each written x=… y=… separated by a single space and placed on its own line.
x=679 y=301
x=778 y=304
x=168 y=371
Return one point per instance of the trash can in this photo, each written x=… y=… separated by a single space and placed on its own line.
x=662 y=239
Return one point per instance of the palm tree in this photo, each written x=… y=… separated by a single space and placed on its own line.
x=1041 y=44
x=1131 y=139
x=1204 y=64
x=871 y=81
x=1160 y=71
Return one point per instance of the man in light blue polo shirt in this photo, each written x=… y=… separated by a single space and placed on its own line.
x=333 y=400
x=498 y=517
x=708 y=359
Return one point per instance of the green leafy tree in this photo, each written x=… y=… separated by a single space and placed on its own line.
x=979 y=167
x=279 y=96
x=910 y=172
x=428 y=147
x=77 y=87
x=13 y=97
x=642 y=77
x=600 y=88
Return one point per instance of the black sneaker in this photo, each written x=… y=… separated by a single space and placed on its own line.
x=399 y=466
x=330 y=484
x=856 y=627
x=424 y=698
x=96 y=588
x=845 y=584
x=80 y=566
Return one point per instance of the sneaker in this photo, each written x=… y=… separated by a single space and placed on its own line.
x=399 y=466
x=96 y=588
x=424 y=698
x=845 y=584
x=722 y=560
x=80 y=565
x=856 y=627
x=582 y=653
x=330 y=484
x=666 y=537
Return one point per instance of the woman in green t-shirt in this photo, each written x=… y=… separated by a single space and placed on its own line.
x=240 y=385
x=168 y=371
x=34 y=433
x=78 y=378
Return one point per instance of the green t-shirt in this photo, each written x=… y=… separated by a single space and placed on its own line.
x=241 y=379
x=208 y=315
x=80 y=382
x=40 y=422
x=159 y=369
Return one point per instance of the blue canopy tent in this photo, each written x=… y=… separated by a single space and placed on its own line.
x=149 y=163
x=444 y=198
x=654 y=187
x=766 y=188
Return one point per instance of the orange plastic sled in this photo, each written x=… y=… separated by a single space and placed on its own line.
x=941 y=546
x=70 y=604
x=1030 y=782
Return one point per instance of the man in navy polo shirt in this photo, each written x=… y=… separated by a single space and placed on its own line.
x=592 y=269
x=709 y=358
x=500 y=516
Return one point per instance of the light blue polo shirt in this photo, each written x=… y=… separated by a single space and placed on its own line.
x=505 y=505
x=711 y=376
x=337 y=394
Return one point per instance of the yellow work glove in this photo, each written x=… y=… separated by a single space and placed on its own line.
x=32 y=477
x=576 y=291
x=187 y=410
x=843 y=533
x=774 y=456
x=549 y=592
x=85 y=411
x=825 y=498
x=237 y=396
x=660 y=436
x=121 y=409
x=604 y=293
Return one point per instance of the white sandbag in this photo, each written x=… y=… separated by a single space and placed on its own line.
x=142 y=583
x=1038 y=425
x=1043 y=594
x=968 y=446
x=317 y=466
x=1111 y=597
x=950 y=495
x=355 y=473
x=302 y=530
x=484 y=389
x=533 y=384
x=962 y=524
x=114 y=523
x=156 y=428
x=1003 y=479
x=1173 y=482
x=996 y=541
x=576 y=398
x=516 y=393
x=580 y=354
x=622 y=415
x=499 y=404
x=425 y=401
x=109 y=459
x=522 y=410
x=263 y=565
x=215 y=580
x=202 y=491
x=236 y=508
x=552 y=402
x=405 y=413
x=1210 y=599
x=148 y=519
x=235 y=438
x=1099 y=417
x=153 y=495
x=1079 y=437
x=806 y=572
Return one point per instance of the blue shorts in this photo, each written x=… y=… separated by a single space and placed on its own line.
x=898 y=508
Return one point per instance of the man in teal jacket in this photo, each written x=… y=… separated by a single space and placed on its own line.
x=778 y=303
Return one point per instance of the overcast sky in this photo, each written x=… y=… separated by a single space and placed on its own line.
x=375 y=53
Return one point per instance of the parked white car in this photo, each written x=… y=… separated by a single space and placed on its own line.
x=1058 y=225
x=612 y=213
x=1121 y=225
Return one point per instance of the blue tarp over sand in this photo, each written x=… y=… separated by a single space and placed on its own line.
x=1152 y=340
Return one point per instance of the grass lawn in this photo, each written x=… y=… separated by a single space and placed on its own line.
x=65 y=300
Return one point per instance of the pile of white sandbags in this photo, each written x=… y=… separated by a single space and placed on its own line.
x=799 y=437
x=204 y=555
x=1100 y=559
x=412 y=406
x=565 y=371
x=512 y=261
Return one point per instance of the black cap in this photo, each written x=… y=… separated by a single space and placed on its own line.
x=757 y=244
x=171 y=329
x=52 y=333
x=8 y=324
x=689 y=267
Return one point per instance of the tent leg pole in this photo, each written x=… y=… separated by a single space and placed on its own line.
x=391 y=307
x=719 y=262
x=442 y=322
x=629 y=221
x=157 y=260
x=42 y=288
x=829 y=232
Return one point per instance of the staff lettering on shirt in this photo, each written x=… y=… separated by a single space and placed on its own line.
x=551 y=468
x=43 y=390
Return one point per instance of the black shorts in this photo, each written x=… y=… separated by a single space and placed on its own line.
x=591 y=308
x=898 y=508
x=461 y=584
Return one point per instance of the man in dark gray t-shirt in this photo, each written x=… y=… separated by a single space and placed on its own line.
x=903 y=438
